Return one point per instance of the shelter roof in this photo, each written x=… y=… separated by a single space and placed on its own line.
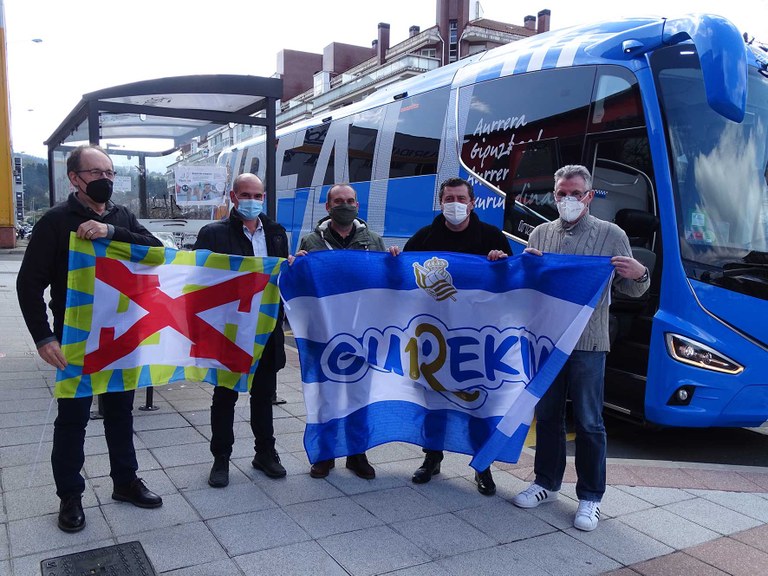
x=175 y=108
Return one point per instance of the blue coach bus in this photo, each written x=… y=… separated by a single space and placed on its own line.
x=671 y=117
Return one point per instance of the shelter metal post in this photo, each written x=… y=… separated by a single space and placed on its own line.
x=143 y=210
x=51 y=178
x=271 y=181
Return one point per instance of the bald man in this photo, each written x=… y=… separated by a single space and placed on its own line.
x=248 y=232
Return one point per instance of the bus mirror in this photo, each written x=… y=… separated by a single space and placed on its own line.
x=723 y=58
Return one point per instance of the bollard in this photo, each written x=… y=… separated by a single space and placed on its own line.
x=148 y=402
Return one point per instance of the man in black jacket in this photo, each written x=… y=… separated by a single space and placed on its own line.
x=90 y=214
x=247 y=232
x=457 y=229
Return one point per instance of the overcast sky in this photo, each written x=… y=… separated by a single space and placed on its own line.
x=88 y=45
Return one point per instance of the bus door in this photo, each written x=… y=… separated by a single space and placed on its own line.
x=617 y=151
x=624 y=195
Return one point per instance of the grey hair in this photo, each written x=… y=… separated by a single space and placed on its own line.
x=574 y=171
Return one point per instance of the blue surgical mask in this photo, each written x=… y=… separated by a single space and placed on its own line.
x=250 y=209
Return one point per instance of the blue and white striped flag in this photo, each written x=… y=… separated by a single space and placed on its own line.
x=446 y=351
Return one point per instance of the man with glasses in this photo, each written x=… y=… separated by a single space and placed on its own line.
x=581 y=379
x=89 y=213
x=342 y=229
x=248 y=232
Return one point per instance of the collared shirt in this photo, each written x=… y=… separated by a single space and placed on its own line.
x=258 y=240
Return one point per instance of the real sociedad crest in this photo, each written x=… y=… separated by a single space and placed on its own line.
x=433 y=277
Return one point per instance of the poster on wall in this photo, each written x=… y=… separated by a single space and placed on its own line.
x=200 y=185
x=121 y=184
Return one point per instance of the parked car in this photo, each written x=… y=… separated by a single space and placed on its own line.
x=167 y=238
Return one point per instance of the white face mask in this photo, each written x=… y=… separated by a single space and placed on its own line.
x=570 y=209
x=455 y=212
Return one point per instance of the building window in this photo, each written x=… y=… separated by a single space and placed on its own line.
x=453 y=40
x=429 y=52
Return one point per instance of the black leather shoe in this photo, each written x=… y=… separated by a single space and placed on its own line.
x=137 y=494
x=269 y=462
x=219 y=476
x=485 y=484
x=359 y=464
x=71 y=515
x=322 y=468
x=430 y=467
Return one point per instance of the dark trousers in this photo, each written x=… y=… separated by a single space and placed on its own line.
x=68 y=455
x=434 y=453
x=223 y=414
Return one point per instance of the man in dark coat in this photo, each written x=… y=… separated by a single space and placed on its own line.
x=248 y=232
x=91 y=214
x=457 y=229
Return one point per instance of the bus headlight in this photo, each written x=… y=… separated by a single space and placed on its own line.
x=695 y=353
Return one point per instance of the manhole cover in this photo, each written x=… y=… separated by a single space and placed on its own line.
x=127 y=559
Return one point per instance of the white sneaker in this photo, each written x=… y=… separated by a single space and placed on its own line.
x=587 y=515
x=533 y=496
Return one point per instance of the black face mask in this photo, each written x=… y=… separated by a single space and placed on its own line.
x=343 y=214
x=99 y=190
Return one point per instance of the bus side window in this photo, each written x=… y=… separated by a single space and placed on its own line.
x=621 y=179
x=516 y=131
x=303 y=159
x=532 y=186
x=363 y=134
x=416 y=144
x=617 y=187
x=622 y=170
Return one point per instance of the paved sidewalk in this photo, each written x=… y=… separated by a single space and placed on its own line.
x=657 y=518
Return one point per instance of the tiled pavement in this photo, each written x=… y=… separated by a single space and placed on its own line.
x=658 y=518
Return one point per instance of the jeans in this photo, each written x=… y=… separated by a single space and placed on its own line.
x=263 y=388
x=582 y=379
x=68 y=455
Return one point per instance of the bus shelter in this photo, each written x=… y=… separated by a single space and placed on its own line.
x=155 y=118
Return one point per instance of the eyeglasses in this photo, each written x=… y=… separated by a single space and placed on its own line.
x=96 y=173
x=578 y=195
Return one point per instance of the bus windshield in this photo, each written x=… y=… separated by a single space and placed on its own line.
x=720 y=173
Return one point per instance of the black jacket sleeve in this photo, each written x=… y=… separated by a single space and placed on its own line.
x=133 y=232
x=37 y=272
x=498 y=241
x=203 y=240
x=416 y=242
